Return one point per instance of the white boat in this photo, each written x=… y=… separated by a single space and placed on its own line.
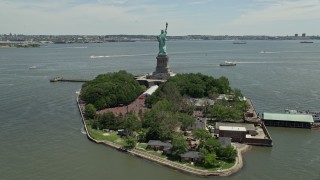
x=228 y=63
x=33 y=67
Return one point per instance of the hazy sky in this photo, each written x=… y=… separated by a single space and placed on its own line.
x=185 y=17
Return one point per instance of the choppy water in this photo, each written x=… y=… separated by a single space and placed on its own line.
x=40 y=130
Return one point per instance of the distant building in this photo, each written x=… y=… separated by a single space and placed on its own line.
x=303 y=34
x=296 y=35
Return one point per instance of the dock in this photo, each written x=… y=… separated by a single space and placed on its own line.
x=61 y=79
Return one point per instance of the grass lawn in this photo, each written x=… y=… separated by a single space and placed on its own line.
x=222 y=165
x=142 y=145
x=101 y=135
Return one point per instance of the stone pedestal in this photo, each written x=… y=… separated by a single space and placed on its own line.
x=162 y=64
x=162 y=69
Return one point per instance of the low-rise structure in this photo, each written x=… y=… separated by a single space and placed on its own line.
x=159 y=145
x=192 y=156
x=244 y=133
x=288 y=120
x=150 y=91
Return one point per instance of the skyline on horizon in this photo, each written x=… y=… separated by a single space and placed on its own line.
x=148 y=17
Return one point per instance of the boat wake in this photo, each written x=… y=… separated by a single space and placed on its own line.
x=67 y=47
x=83 y=131
x=94 y=57
x=262 y=62
x=269 y=52
x=123 y=55
x=277 y=52
x=6 y=84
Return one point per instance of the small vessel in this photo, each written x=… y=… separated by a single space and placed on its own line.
x=228 y=63
x=239 y=42
x=315 y=115
x=33 y=67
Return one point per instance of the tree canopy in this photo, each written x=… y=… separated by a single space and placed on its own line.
x=110 y=90
x=192 y=85
x=179 y=145
x=162 y=121
x=201 y=134
x=90 y=111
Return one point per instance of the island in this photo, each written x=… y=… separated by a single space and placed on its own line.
x=174 y=124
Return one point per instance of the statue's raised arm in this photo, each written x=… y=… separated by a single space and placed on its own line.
x=162 y=38
x=166 y=27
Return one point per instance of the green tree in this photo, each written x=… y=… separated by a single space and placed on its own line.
x=229 y=153
x=132 y=123
x=109 y=121
x=153 y=133
x=223 y=85
x=237 y=93
x=221 y=112
x=212 y=145
x=210 y=160
x=130 y=142
x=90 y=112
x=142 y=135
x=201 y=134
x=185 y=120
x=179 y=145
x=111 y=89
x=193 y=85
x=161 y=121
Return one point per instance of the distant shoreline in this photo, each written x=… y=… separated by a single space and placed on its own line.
x=183 y=168
x=6 y=47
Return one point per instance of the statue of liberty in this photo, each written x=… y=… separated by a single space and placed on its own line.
x=162 y=38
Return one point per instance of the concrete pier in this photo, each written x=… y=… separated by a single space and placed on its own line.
x=61 y=79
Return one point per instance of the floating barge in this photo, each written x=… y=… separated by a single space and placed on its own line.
x=288 y=120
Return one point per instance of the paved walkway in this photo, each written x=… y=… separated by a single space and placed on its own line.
x=252 y=110
x=136 y=106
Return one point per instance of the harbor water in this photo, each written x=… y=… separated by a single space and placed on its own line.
x=40 y=130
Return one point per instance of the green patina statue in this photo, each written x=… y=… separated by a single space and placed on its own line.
x=162 y=38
